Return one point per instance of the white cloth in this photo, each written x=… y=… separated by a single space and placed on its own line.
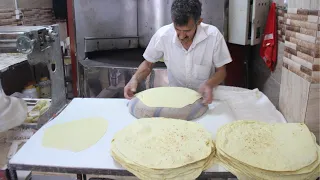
x=13 y=111
x=189 y=68
x=249 y=104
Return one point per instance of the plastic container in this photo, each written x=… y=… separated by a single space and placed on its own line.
x=30 y=92
x=45 y=87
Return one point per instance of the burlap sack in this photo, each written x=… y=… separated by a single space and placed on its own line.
x=139 y=110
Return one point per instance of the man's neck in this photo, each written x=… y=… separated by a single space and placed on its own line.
x=186 y=45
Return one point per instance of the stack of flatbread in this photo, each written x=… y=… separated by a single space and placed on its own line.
x=160 y=148
x=257 y=150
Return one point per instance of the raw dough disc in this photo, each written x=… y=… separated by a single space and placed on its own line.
x=173 y=97
x=75 y=135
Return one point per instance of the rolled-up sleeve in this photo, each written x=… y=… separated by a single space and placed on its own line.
x=221 y=54
x=154 y=50
x=13 y=112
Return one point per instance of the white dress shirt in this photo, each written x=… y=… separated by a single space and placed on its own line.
x=189 y=68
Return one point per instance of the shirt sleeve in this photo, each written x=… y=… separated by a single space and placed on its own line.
x=13 y=112
x=154 y=50
x=221 y=54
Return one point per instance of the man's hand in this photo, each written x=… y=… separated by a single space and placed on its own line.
x=206 y=88
x=206 y=91
x=130 y=88
x=143 y=71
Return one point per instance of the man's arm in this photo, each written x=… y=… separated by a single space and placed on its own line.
x=143 y=71
x=207 y=88
x=218 y=77
x=152 y=54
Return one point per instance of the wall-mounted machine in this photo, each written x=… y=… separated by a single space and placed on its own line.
x=247 y=20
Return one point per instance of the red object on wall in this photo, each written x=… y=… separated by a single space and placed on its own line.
x=269 y=45
x=72 y=36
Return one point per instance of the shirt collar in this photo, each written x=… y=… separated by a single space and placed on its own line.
x=200 y=36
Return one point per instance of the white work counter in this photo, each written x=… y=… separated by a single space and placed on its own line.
x=33 y=156
x=97 y=159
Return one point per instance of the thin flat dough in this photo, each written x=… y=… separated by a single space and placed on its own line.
x=162 y=143
x=268 y=146
x=162 y=148
x=172 y=97
x=76 y=135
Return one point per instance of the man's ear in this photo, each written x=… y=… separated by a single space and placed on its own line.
x=200 y=21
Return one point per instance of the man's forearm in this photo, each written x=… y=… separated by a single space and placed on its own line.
x=143 y=71
x=218 y=77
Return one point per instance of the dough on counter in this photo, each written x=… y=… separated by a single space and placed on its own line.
x=75 y=135
x=167 y=102
x=172 y=97
x=161 y=148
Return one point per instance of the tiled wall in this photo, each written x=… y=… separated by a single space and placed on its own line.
x=304 y=4
x=312 y=118
x=300 y=82
x=302 y=43
x=10 y=4
x=281 y=26
x=34 y=16
x=34 y=12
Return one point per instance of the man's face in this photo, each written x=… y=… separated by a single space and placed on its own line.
x=187 y=32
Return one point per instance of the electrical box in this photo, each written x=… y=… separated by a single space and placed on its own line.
x=247 y=19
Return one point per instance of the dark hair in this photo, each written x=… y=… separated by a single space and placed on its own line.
x=183 y=10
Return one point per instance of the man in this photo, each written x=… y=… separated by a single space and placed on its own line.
x=195 y=53
x=13 y=111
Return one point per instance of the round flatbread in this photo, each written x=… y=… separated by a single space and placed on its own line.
x=161 y=143
x=170 y=97
x=168 y=102
x=268 y=146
